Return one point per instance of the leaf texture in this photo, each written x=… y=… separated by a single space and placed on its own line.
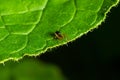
x=27 y=27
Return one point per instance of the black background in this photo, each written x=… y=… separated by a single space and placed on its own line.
x=94 y=56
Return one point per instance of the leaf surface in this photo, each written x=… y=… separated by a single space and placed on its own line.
x=27 y=27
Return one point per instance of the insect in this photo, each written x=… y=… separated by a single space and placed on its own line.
x=58 y=35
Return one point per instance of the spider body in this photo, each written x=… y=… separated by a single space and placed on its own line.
x=58 y=35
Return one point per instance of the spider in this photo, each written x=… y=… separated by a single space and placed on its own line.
x=58 y=35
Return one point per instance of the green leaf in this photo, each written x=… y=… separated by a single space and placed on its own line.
x=29 y=69
x=27 y=27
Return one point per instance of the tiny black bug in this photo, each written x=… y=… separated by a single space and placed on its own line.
x=58 y=35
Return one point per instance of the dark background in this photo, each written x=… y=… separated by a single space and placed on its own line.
x=94 y=56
